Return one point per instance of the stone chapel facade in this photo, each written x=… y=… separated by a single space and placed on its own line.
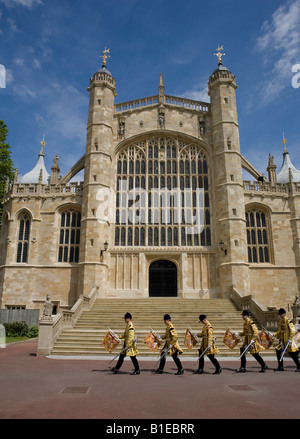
x=61 y=238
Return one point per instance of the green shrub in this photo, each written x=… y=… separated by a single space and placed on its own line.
x=16 y=329
x=33 y=331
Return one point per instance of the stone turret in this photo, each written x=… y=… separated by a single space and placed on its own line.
x=230 y=207
x=98 y=177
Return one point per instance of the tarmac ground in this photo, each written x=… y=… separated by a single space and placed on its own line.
x=36 y=387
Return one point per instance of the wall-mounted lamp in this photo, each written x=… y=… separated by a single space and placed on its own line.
x=105 y=248
x=222 y=247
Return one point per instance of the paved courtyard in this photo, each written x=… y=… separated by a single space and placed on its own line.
x=45 y=388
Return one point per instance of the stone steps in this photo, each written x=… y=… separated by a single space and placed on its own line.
x=86 y=338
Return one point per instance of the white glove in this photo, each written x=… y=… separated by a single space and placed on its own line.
x=209 y=346
x=170 y=347
x=289 y=342
x=195 y=334
x=252 y=341
x=236 y=334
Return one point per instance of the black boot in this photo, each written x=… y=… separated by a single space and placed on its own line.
x=263 y=368
x=241 y=370
x=199 y=371
x=136 y=372
x=180 y=372
x=217 y=371
x=159 y=371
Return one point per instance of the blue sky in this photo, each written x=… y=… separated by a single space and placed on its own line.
x=50 y=49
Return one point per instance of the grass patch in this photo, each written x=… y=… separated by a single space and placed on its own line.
x=15 y=339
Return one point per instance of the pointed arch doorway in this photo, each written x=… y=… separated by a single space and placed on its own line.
x=162 y=279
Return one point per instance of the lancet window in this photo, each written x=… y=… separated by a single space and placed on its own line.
x=69 y=236
x=257 y=236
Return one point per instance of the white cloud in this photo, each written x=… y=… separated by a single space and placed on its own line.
x=26 y=3
x=23 y=92
x=66 y=109
x=197 y=93
x=9 y=76
x=12 y=25
x=279 y=43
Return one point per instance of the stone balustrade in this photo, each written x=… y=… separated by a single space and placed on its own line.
x=168 y=100
x=51 y=328
x=187 y=103
x=35 y=189
x=137 y=103
x=258 y=186
x=268 y=319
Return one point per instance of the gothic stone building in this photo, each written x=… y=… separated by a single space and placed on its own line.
x=61 y=237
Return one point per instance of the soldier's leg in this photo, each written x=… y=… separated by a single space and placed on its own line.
x=119 y=363
x=178 y=363
x=136 y=365
x=294 y=356
x=161 y=364
x=243 y=361
x=280 y=363
x=201 y=363
x=260 y=361
x=215 y=363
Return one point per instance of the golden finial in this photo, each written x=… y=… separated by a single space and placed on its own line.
x=219 y=54
x=43 y=143
x=284 y=140
x=105 y=56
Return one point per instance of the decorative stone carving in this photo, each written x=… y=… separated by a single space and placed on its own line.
x=121 y=129
x=202 y=128
x=296 y=309
x=161 y=118
x=48 y=307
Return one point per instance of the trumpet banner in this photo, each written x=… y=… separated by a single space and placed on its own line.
x=265 y=339
x=110 y=342
x=151 y=342
x=230 y=339
x=189 y=340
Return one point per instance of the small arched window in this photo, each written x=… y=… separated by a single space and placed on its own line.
x=258 y=236
x=23 y=239
x=69 y=236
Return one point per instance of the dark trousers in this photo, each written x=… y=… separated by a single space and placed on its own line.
x=256 y=356
x=212 y=359
x=133 y=359
x=293 y=355
x=175 y=358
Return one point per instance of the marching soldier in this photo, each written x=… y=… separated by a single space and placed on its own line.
x=129 y=347
x=171 y=345
x=250 y=333
x=207 y=346
x=286 y=332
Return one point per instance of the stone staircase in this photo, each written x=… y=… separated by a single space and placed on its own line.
x=85 y=339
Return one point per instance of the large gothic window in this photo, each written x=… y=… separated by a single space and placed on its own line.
x=257 y=236
x=23 y=239
x=69 y=236
x=162 y=194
